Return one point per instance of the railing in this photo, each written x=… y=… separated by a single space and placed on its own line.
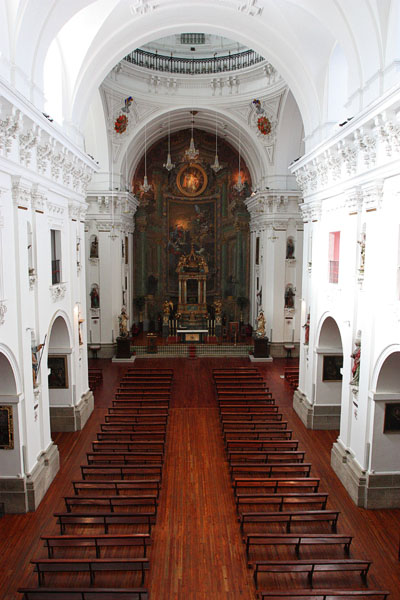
x=194 y=66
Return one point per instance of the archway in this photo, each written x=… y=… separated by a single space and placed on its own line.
x=328 y=376
x=385 y=431
x=60 y=372
x=10 y=436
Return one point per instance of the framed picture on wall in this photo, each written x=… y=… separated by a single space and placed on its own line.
x=58 y=377
x=392 y=418
x=331 y=367
x=6 y=428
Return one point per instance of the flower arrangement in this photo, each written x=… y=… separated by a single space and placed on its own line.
x=264 y=125
x=121 y=124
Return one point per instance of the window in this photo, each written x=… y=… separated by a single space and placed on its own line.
x=55 y=240
x=334 y=246
x=257 y=251
x=193 y=38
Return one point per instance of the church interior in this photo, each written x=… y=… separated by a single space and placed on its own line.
x=199 y=299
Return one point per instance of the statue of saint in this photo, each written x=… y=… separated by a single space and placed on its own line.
x=261 y=322
x=307 y=330
x=356 y=356
x=218 y=306
x=123 y=323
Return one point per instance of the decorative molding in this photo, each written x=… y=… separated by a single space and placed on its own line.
x=9 y=128
x=32 y=278
x=3 y=310
x=353 y=200
x=27 y=142
x=21 y=191
x=249 y=7
x=372 y=195
x=142 y=7
x=58 y=291
x=55 y=210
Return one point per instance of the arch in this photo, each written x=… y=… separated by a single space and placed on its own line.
x=10 y=379
x=385 y=376
x=251 y=149
x=60 y=332
x=328 y=333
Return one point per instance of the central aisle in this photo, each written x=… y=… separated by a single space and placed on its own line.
x=197 y=551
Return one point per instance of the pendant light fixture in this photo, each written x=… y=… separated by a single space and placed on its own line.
x=145 y=187
x=191 y=153
x=239 y=185
x=169 y=165
x=216 y=166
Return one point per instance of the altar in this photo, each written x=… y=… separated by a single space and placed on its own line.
x=192 y=335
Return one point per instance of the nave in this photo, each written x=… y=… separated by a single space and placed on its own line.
x=197 y=551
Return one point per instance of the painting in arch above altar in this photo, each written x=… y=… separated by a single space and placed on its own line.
x=191 y=222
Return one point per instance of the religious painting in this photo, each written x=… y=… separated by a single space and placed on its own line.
x=191 y=180
x=191 y=223
x=6 y=428
x=58 y=377
x=392 y=418
x=331 y=369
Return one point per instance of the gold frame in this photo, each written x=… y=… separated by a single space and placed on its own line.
x=179 y=176
x=10 y=423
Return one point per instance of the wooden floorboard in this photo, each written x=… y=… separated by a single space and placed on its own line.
x=197 y=551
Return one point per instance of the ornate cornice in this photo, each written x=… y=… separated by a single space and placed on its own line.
x=43 y=150
x=365 y=145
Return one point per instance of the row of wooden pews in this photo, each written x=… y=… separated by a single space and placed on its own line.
x=291 y=375
x=289 y=530
x=95 y=378
x=105 y=531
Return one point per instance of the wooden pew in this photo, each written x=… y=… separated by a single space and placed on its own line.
x=265 y=456
x=135 y=402
x=259 y=386
x=140 y=370
x=298 y=516
x=270 y=470
x=124 y=458
x=132 y=436
x=236 y=370
x=279 y=500
x=139 y=386
x=111 y=503
x=117 y=445
x=149 y=411
x=246 y=411
x=138 y=471
x=276 y=484
x=88 y=565
x=238 y=444
x=261 y=434
x=291 y=539
x=142 y=394
x=143 y=422
x=117 y=486
x=105 y=519
x=239 y=401
x=322 y=594
x=311 y=567
x=80 y=593
x=139 y=540
x=232 y=423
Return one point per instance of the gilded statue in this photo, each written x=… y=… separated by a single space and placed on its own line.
x=261 y=322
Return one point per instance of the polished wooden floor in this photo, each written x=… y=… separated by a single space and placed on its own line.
x=197 y=551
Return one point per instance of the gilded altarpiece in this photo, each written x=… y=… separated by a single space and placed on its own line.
x=191 y=205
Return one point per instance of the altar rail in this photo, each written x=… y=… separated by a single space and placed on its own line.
x=201 y=350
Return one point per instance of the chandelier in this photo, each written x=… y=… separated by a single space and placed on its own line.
x=239 y=185
x=216 y=166
x=191 y=154
x=145 y=187
x=169 y=165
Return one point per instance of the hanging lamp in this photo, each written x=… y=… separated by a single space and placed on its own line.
x=169 y=165
x=239 y=185
x=216 y=166
x=191 y=153
x=145 y=187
